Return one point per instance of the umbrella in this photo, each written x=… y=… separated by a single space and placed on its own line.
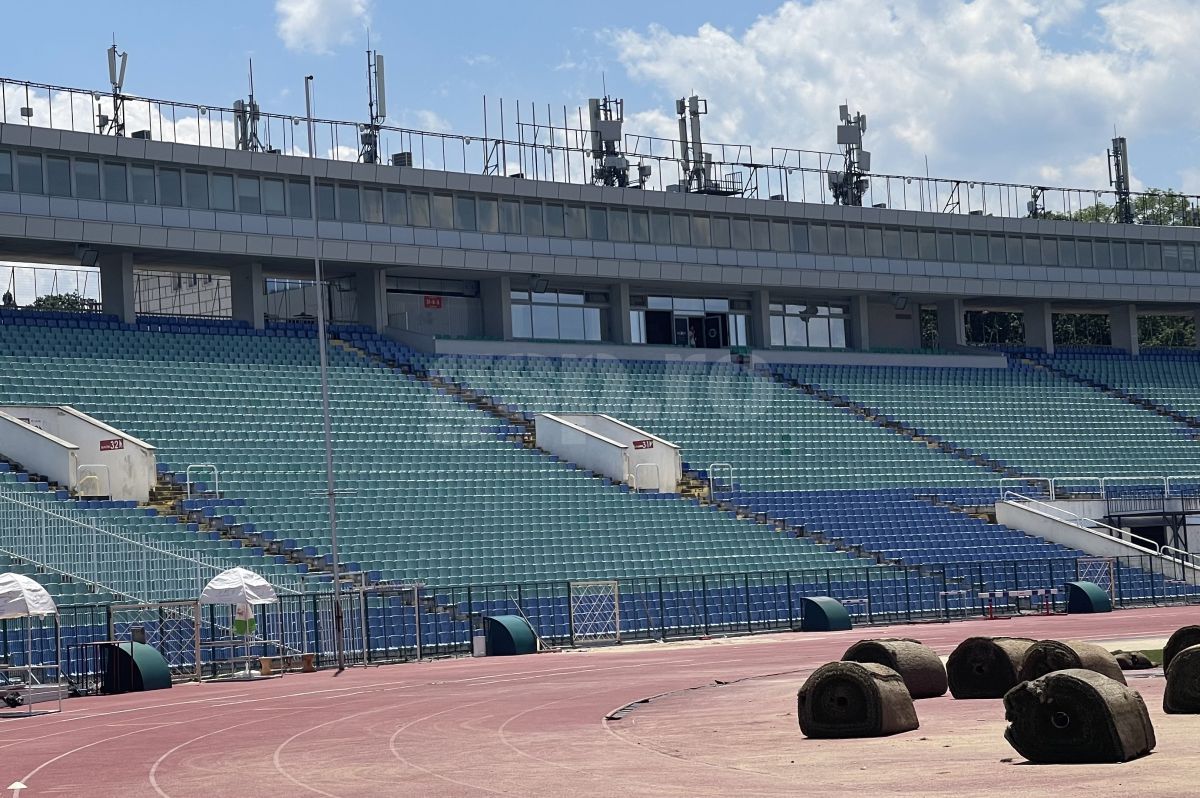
x=21 y=597
x=238 y=586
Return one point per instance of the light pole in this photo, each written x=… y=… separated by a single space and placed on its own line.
x=330 y=488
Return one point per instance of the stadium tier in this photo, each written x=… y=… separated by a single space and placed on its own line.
x=1169 y=379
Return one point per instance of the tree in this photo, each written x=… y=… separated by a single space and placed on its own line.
x=1166 y=331
x=73 y=302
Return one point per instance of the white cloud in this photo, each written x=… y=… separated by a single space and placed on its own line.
x=984 y=88
x=320 y=25
x=431 y=121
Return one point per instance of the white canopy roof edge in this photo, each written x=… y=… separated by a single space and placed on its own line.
x=21 y=597
x=238 y=586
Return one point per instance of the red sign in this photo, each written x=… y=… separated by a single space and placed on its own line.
x=112 y=445
x=646 y=444
x=433 y=302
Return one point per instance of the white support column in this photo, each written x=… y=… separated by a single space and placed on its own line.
x=117 y=288
x=1039 y=326
x=860 y=312
x=248 y=294
x=370 y=289
x=619 y=330
x=952 y=331
x=495 y=298
x=760 y=319
x=1123 y=321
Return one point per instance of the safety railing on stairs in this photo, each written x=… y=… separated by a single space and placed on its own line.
x=1086 y=524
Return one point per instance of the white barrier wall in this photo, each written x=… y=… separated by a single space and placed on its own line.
x=607 y=446
x=109 y=462
x=38 y=451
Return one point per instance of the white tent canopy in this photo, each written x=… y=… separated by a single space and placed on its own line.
x=21 y=597
x=238 y=586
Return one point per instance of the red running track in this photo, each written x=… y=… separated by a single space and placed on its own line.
x=511 y=726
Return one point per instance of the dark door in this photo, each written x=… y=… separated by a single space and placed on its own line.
x=659 y=330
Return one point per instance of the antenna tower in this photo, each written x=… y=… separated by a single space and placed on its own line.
x=611 y=167
x=1118 y=178
x=116 y=76
x=376 y=108
x=850 y=185
x=245 y=120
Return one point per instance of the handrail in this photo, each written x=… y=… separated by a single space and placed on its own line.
x=1193 y=479
x=1026 y=480
x=657 y=476
x=712 y=490
x=1057 y=514
x=1146 y=479
x=203 y=466
x=1074 y=481
x=79 y=477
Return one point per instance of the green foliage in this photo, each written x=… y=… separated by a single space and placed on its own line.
x=1153 y=206
x=1082 y=329
x=72 y=302
x=1166 y=331
x=989 y=327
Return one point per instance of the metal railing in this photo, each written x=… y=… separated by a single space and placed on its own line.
x=544 y=150
x=1086 y=524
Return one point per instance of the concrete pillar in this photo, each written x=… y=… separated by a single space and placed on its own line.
x=760 y=319
x=952 y=331
x=619 y=330
x=1123 y=321
x=495 y=299
x=860 y=313
x=117 y=293
x=1039 y=326
x=1196 y=343
x=370 y=290
x=248 y=294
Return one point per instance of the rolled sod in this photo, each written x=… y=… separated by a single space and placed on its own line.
x=1047 y=656
x=853 y=699
x=986 y=667
x=1077 y=716
x=1183 y=637
x=1182 y=696
x=1132 y=660
x=921 y=668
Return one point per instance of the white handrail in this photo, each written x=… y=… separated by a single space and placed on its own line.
x=1193 y=479
x=712 y=490
x=1145 y=479
x=657 y=476
x=203 y=466
x=95 y=467
x=1092 y=525
x=1026 y=480
x=1074 y=481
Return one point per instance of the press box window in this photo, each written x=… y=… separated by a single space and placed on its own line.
x=87 y=179
x=538 y=220
x=58 y=176
x=29 y=173
x=196 y=184
x=141 y=180
x=170 y=187
x=300 y=199
x=6 y=172
x=326 y=202
x=115 y=187
x=349 y=207
x=221 y=192
x=273 y=199
x=249 y=198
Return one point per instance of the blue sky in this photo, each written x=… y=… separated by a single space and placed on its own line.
x=1023 y=90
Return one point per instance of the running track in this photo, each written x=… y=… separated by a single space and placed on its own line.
x=495 y=726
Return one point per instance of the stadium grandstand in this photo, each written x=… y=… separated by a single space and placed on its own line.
x=806 y=340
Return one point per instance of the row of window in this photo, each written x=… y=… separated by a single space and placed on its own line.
x=89 y=178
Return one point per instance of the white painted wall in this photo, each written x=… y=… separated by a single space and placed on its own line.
x=662 y=462
x=127 y=473
x=37 y=450
x=580 y=446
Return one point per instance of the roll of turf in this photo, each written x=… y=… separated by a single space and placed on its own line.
x=922 y=670
x=1181 y=638
x=1047 y=656
x=1132 y=660
x=1077 y=716
x=986 y=667
x=853 y=699
x=1182 y=696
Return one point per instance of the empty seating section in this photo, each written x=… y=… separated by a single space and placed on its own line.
x=1028 y=418
x=776 y=438
x=1169 y=379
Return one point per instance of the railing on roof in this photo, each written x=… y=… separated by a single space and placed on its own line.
x=544 y=151
x=130 y=564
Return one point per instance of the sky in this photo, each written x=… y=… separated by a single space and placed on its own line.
x=1008 y=90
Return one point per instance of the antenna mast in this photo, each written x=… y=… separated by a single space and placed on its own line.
x=116 y=76
x=1118 y=178
x=376 y=108
x=850 y=185
x=611 y=166
x=245 y=119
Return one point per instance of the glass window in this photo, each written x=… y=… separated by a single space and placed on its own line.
x=170 y=187
x=115 y=187
x=874 y=242
x=639 y=227
x=1066 y=252
x=891 y=244
x=591 y=324
x=778 y=335
x=464 y=213
x=779 y=236
x=87 y=178
x=795 y=331
x=1187 y=258
x=349 y=203
x=720 y=231
x=510 y=216
x=681 y=229
x=442 y=215
x=522 y=321
x=1049 y=251
x=597 y=223
x=141 y=179
x=701 y=231
x=1015 y=252
x=799 y=237
x=660 y=228
x=487 y=213
x=1154 y=257
x=196 y=184
x=1032 y=250
x=418 y=209
x=576 y=222
x=979 y=248
x=837 y=239
x=818 y=332
x=637 y=326
x=908 y=244
x=1170 y=256
x=249 y=194
x=737 y=330
x=945 y=246
x=856 y=241
x=739 y=233
x=372 y=205
x=570 y=324
x=760 y=233
x=300 y=199
x=927 y=246
x=1083 y=249
x=221 y=192
x=29 y=173
x=554 y=216
x=1120 y=256
x=1137 y=255
x=962 y=247
x=618 y=224
x=272 y=201
x=58 y=176
x=837 y=333
x=545 y=321
x=818 y=238
x=326 y=202
x=1102 y=254
x=6 y=172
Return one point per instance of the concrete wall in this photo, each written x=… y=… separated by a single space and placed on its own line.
x=661 y=458
x=445 y=316
x=38 y=450
x=900 y=329
x=582 y=447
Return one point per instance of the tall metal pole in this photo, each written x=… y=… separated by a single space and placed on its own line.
x=330 y=489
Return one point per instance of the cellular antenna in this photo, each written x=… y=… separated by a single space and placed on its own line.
x=246 y=117
x=376 y=107
x=1118 y=178
x=116 y=76
x=610 y=166
x=850 y=185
